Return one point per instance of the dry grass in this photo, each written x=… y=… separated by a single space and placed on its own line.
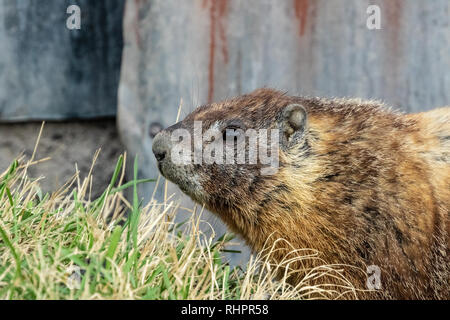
x=66 y=245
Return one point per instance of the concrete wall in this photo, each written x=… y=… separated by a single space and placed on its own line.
x=50 y=72
x=67 y=144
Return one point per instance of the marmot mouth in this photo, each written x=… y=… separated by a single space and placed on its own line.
x=159 y=164
x=173 y=175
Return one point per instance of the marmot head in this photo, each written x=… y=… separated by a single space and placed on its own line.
x=227 y=155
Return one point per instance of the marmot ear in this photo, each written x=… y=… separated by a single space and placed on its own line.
x=293 y=119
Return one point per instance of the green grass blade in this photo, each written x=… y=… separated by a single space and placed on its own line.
x=8 y=243
x=115 y=238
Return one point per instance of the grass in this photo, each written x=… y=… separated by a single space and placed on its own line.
x=65 y=245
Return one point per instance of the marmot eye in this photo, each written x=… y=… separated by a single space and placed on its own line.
x=231 y=133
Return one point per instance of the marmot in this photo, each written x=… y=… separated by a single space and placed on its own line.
x=357 y=181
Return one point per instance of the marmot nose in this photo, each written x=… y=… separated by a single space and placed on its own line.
x=161 y=146
x=160 y=155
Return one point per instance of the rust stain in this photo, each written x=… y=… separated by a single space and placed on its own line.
x=218 y=10
x=393 y=11
x=305 y=64
x=301 y=12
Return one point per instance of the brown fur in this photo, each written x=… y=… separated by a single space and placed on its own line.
x=363 y=185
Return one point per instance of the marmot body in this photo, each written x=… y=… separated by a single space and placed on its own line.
x=356 y=181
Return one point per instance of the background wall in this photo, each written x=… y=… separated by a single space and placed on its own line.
x=50 y=72
x=206 y=50
x=71 y=147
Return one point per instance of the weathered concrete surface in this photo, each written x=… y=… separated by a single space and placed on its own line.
x=67 y=143
x=205 y=50
x=50 y=72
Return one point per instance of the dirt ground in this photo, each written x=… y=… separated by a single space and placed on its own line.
x=67 y=143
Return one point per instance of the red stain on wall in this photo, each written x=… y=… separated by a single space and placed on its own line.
x=217 y=12
x=301 y=12
x=393 y=13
